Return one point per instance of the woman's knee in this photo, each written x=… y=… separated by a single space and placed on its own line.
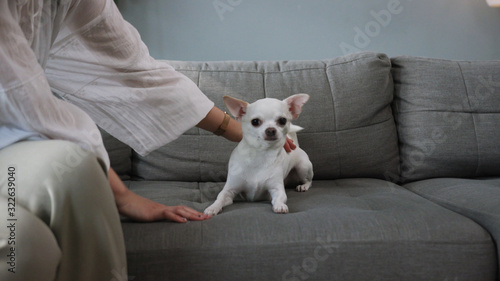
x=52 y=173
x=47 y=160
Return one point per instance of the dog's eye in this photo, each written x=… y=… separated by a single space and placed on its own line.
x=282 y=121
x=256 y=122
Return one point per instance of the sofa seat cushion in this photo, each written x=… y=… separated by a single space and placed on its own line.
x=349 y=229
x=478 y=199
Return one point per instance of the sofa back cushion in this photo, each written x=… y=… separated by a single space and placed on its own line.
x=448 y=117
x=349 y=126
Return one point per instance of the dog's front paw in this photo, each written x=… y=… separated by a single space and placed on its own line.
x=212 y=210
x=280 y=208
x=303 y=187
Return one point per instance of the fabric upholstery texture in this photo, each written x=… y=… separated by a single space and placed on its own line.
x=448 y=117
x=477 y=199
x=349 y=229
x=350 y=103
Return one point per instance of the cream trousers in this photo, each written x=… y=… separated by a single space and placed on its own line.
x=58 y=219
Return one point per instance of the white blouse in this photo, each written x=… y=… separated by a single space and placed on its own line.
x=84 y=51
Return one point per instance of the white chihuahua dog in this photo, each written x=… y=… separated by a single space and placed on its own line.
x=259 y=167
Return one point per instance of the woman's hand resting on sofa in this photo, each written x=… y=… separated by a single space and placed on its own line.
x=139 y=208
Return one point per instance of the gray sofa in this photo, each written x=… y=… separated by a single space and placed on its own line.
x=406 y=155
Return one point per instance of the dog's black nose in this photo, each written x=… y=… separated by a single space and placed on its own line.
x=270 y=132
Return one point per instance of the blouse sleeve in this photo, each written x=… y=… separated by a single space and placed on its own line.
x=104 y=68
x=26 y=101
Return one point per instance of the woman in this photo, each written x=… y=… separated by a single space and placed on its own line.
x=63 y=219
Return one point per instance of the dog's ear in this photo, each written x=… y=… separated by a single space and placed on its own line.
x=295 y=104
x=236 y=107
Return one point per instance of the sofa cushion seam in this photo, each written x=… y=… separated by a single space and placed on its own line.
x=473 y=117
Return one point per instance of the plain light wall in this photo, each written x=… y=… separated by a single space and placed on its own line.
x=207 y=30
